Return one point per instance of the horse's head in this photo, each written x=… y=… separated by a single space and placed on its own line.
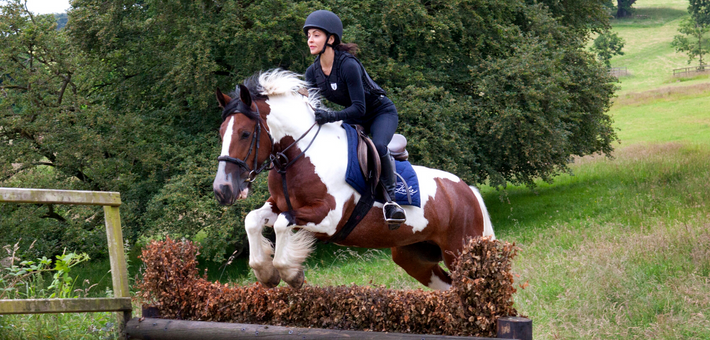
x=246 y=145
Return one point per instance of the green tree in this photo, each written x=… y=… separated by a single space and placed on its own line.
x=62 y=19
x=700 y=11
x=692 y=40
x=607 y=45
x=44 y=139
x=492 y=91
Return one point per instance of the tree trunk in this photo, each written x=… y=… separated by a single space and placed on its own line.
x=623 y=8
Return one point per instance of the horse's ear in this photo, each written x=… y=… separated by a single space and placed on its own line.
x=222 y=98
x=245 y=95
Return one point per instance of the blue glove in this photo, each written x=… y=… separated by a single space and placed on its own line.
x=323 y=116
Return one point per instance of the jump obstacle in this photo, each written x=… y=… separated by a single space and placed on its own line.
x=156 y=328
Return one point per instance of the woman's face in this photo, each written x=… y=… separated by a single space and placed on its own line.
x=316 y=40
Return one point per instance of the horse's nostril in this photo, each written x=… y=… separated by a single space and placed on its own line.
x=226 y=190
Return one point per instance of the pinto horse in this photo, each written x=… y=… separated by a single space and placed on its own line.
x=271 y=121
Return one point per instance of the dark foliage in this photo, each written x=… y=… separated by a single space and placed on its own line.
x=700 y=11
x=482 y=291
x=624 y=8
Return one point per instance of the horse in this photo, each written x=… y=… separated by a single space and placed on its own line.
x=268 y=123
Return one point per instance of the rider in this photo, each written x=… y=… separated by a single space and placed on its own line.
x=342 y=79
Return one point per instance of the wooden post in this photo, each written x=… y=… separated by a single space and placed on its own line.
x=515 y=327
x=117 y=257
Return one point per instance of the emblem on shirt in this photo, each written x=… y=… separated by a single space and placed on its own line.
x=334 y=86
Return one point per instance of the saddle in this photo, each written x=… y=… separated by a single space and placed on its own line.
x=368 y=156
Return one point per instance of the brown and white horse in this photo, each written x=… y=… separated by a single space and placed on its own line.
x=269 y=116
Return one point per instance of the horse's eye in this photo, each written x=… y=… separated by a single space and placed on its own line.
x=245 y=135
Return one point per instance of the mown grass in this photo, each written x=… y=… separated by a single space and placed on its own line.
x=648 y=54
x=687 y=118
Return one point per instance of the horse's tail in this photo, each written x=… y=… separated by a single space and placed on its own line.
x=487 y=224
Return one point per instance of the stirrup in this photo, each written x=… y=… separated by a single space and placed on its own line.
x=393 y=223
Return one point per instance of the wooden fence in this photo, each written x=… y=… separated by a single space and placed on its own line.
x=618 y=71
x=121 y=302
x=691 y=71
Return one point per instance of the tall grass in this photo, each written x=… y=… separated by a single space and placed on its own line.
x=620 y=250
x=41 y=279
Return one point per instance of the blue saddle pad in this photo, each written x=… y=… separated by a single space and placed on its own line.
x=355 y=178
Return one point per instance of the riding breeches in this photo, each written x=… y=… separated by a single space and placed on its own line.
x=382 y=125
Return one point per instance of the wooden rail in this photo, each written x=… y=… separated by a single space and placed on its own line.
x=618 y=71
x=121 y=302
x=158 y=329
x=680 y=72
x=39 y=306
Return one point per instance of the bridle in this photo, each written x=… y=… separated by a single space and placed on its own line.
x=277 y=160
x=254 y=145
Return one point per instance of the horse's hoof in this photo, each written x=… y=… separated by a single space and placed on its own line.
x=273 y=281
x=297 y=282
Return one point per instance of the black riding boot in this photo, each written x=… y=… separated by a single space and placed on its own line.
x=394 y=214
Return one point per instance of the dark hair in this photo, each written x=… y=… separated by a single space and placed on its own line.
x=351 y=48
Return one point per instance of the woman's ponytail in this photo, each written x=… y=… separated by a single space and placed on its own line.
x=351 y=48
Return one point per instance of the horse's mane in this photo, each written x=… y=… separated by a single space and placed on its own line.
x=276 y=82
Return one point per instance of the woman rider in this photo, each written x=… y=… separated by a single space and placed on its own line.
x=342 y=79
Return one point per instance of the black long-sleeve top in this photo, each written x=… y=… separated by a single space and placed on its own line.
x=344 y=87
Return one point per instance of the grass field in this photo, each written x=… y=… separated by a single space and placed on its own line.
x=619 y=248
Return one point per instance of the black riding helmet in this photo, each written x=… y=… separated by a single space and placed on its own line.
x=326 y=21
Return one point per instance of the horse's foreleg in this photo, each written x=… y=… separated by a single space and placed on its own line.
x=292 y=249
x=260 y=248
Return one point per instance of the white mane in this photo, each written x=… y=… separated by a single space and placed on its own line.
x=281 y=82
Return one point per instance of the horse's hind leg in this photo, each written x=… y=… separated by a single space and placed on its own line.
x=421 y=261
x=260 y=248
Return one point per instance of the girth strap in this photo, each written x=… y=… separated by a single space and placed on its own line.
x=363 y=206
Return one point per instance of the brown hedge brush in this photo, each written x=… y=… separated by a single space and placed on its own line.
x=482 y=291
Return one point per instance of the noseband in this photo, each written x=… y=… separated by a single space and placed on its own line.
x=254 y=146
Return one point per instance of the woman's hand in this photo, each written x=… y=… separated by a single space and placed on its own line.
x=323 y=116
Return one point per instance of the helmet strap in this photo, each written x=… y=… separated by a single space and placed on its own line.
x=327 y=37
